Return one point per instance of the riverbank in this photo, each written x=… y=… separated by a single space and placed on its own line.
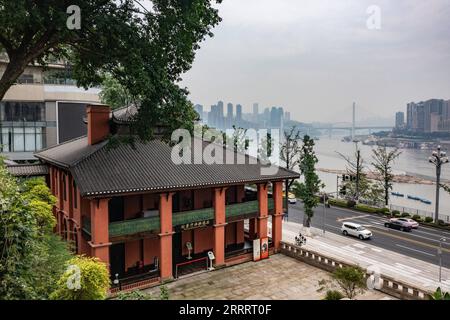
x=374 y=176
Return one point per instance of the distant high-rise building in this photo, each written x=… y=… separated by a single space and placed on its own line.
x=220 y=117
x=399 y=120
x=266 y=117
x=238 y=114
x=213 y=116
x=276 y=117
x=427 y=116
x=199 y=109
x=229 y=118
x=255 y=112
x=287 y=116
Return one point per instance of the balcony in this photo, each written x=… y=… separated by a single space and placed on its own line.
x=243 y=210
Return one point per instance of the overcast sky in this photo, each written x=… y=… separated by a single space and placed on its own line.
x=315 y=57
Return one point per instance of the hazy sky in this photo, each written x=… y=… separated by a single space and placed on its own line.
x=315 y=57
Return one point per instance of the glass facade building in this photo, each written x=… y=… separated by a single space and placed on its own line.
x=22 y=126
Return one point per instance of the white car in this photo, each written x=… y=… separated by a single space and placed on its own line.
x=356 y=230
x=292 y=200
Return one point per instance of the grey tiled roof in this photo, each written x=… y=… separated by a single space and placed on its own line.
x=28 y=170
x=100 y=171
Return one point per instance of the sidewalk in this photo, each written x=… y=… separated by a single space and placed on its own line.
x=409 y=270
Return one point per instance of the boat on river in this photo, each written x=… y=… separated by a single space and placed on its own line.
x=397 y=194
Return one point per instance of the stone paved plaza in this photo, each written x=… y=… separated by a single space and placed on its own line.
x=279 y=277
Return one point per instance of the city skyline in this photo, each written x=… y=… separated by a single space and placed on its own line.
x=324 y=57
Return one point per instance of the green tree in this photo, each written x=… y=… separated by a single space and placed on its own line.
x=311 y=185
x=351 y=280
x=359 y=187
x=31 y=257
x=440 y=295
x=146 y=50
x=265 y=149
x=114 y=94
x=382 y=162
x=290 y=153
x=86 y=278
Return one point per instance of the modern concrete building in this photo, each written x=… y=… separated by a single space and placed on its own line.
x=42 y=109
x=399 y=120
x=149 y=218
x=238 y=114
x=428 y=116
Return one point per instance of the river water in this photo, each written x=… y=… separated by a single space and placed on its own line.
x=411 y=161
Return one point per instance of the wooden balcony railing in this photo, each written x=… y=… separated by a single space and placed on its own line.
x=140 y=225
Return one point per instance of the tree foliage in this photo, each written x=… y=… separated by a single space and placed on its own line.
x=351 y=280
x=440 y=295
x=114 y=94
x=382 y=162
x=290 y=153
x=31 y=257
x=311 y=185
x=145 y=50
x=360 y=187
x=93 y=280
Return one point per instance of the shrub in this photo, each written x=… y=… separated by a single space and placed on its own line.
x=440 y=295
x=405 y=215
x=384 y=210
x=351 y=203
x=442 y=223
x=428 y=219
x=351 y=280
x=397 y=215
x=387 y=213
x=133 y=295
x=394 y=212
x=333 y=295
x=163 y=293
x=364 y=208
x=417 y=218
x=86 y=278
x=338 y=203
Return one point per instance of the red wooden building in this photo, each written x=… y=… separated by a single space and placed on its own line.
x=140 y=213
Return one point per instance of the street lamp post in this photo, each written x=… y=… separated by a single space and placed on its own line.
x=440 y=257
x=323 y=220
x=438 y=158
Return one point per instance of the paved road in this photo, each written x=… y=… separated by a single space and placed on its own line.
x=422 y=243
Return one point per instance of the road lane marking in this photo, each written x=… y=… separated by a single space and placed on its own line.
x=419 y=251
x=411 y=240
x=405 y=267
x=376 y=250
x=411 y=234
x=353 y=217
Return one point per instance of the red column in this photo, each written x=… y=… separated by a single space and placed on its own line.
x=219 y=226
x=100 y=229
x=277 y=214
x=165 y=237
x=263 y=210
